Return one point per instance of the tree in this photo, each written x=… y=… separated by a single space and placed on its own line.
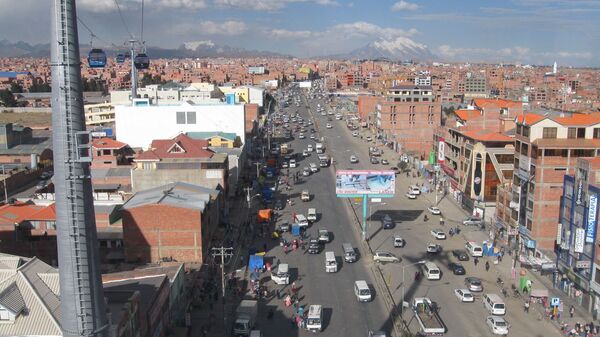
x=402 y=166
x=7 y=98
x=16 y=88
x=40 y=86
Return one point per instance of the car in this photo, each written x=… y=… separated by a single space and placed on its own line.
x=398 y=242
x=285 y=164
x=284 y=227
x=312 y=136
x=314 y=168
x=46 y=175
x=382 y=256
x=387 y=222
x=498 y=325
x=292 y=163
x=434 y=210
x=312 y=130
x=464 y=295
x=410 y=196
x=305 y=153
x=306 y=171
x=355 y=134
x=472 y=221
x=314 y=246
x=374 y=161
x=384 y=162
x=329 y=126
x=305 y=195
x=41 y=185
x=438 y=234
x=433 y=248
x=301 y=136
x=456 y=268
x=460 y=254
x=474 y=284
x=279 y=205
x=369 y=138
x=353 y=159
x=324 y=236
x=377 y=334
x=395 y=169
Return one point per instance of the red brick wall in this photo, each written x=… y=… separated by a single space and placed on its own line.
x=367 y=104
x=251 y=111
x=153 y=232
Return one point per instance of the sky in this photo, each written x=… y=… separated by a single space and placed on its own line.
x=524 y=31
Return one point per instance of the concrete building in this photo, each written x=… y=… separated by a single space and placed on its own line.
x=138 y=125
x=577 y=236
x=546 y=149
x=473 y=87
x=22 y=145
x=171 y=93
x=170 y=222
x=179 y=159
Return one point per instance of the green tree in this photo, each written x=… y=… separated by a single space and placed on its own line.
x=7 y=98
x=40 y=86
x=16 y=88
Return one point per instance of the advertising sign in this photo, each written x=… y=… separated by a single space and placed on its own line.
x=559 y=234
x=441 y=146
x=360 y=182
x=579 y=240
x=590 y=234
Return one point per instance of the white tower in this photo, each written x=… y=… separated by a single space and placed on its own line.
x=555 y=68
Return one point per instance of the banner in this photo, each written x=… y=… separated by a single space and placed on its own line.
x=590 y=234
x=441 y=146
x=354 y=182
x=579 y=240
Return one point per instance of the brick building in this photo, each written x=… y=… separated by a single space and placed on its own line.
x=176 y=221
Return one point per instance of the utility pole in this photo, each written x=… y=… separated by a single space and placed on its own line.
x=223 y=252
x=257 y=170
x=133 y=72
x=5 y=189
x=248 y=197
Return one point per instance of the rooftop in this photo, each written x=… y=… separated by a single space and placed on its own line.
x=487 y=136
x=466 y=114
x=107 y=143
x=567 y=143
x=177 y=194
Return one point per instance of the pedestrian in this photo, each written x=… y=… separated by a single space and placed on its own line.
x=572 y=311
x=265 y=247
x=487 y=265
x=278 y=294
x=475 y=261
x=294 y=289
x=527 y=306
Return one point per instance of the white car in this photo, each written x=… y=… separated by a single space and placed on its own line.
x=353 y=159
x=306 y=172
x=285 y=164
x=381 y=256
x=305 y=153
x=292 y=163
x=433 y=248
x=301 y=136
x=438 y=234
x=434 y=210
x=314 y=168
x=498 y=325
x=411 y=196
x=369 y=138
x=329 y=126
x=309 y=148
x=312 y=136
x=464 y=295
x=355 y=134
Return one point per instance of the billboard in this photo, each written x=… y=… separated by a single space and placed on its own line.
x=590 y=234
x=360 y=182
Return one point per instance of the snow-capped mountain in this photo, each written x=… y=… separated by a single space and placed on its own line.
x=400 y=49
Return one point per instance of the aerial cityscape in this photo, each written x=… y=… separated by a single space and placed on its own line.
x=274 y=168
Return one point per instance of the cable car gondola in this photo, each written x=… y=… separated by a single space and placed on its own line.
x=97 y=58
x=141 y=61
x=120 y=58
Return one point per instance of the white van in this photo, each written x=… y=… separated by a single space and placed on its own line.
x=301 y=220
x=314 y=318
x=414 y=190
x=330 y=262
x=431 y=271
x=362 y=291
x=312 y=215
x=474 y=249
x=292 y=163
x=494 y=304
x=349 y=252
x=281 y=275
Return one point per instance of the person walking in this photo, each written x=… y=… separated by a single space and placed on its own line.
x=572 y=311
x=526 y=306
x=487 y=265
x=294 y=289
x=475 y=261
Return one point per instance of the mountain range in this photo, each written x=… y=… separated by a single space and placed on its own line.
x=399 y=49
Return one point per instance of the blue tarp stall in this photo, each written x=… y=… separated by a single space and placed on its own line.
x=255 y=262
x=488 y=249
x=267 y=193
x=296 y=229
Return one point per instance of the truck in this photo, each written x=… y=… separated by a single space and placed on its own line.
x=323 y=160
x=245 y=317
x=319 y=147
x=427 y=315
x=285 y=148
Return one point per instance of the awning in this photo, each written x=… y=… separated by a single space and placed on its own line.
x=539 y=293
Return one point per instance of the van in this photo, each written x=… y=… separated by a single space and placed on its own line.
x=349 y=253
x=431 y=271
x=281 y=275
x=474 y=249
x=312 y=215
x=330 y=262
x=494 y=304
x=415 y=190
x=301 y=220
x=314 y=318
x=362 y=291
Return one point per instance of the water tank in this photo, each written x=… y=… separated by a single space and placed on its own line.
x=230 y=98
x=34 y=161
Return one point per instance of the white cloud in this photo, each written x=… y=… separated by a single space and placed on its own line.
x=291 y=34
x=187 y=4
x=568 y=54
x=509 y=54
x=369 y=29
x=109 y=6
x=268 y=5
x=228 y=28
x=404 y=6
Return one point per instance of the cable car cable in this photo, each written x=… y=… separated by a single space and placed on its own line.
x=122 y=19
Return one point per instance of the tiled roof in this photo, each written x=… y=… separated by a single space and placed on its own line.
x=487 y=136
x=14 y=214
x=579 y=119
x=107 y=143
x=209 y=134
x=466 y=114
x=496 y=102
x=180 y=147
x=529 y=118
x=46 y=213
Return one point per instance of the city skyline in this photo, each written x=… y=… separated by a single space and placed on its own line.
x=525 y=31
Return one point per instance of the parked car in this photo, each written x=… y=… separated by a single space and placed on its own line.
x=434 y=210
x=472 y=221
x=285 y=164
x=353 y=159
x=369 y=138
x=284 y=227
x=498 y=325
x=464 y=295
x=323 y=236
x=314 y=246
x=460 y=254
x=301 y=136
x=456 y=268
x=398 y=242
x=314 y=168
x=384 y=162
x=329 y=126
x=381 y=256
x=306 y=171
x=374 y=161
x=387 y=222
x=411 y=196
x=433 y=248
x=355 y=134
x=473 y=284
x=438 y=234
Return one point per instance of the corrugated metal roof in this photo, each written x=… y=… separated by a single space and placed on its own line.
x=11 y=299
x=52 y=280
x=177 y=194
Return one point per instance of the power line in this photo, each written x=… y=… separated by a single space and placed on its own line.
x=123 y=20
x=93 y=35
x=142 y=32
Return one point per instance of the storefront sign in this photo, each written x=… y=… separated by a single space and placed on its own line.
x=579 y=240
x=512 y=231
x=441 y=146
x=555 y=301
x=582 y=264
x=559 y=234
x=579 y=192
x=530 y=244
x=590 y=234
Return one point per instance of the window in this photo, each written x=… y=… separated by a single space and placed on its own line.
x=572 y=133
x=180 y=117
x=525 y=131
x=582 y=153
x=4 y=315
x=549 y=133
x=184 y=117
x=596 y=133
x=191 y=117
x=519 y=129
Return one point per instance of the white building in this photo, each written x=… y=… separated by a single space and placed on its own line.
x=138 y=125
x=169 y=93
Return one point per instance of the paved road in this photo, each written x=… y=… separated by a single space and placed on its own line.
x=343 y=314
x=461 y=319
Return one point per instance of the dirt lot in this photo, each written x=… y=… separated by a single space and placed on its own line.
x=31 y=119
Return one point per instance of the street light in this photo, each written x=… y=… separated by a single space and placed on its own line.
x=408 y=265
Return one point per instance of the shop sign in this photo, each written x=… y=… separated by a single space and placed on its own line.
x=559 y=234
x=591 y=222
x=582 y=264
x=530 y=244
x=555 y=301
x=441 y=145
x=579 y=192
x=579 y=240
